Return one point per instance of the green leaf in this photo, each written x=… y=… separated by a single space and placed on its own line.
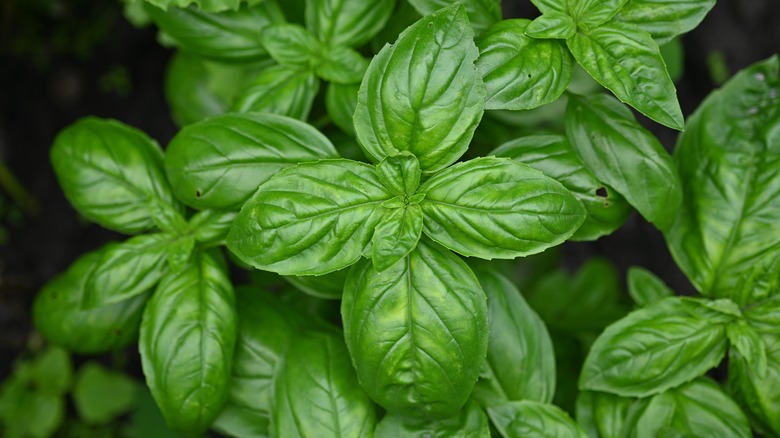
x=665 y=19
x=554 y=156
x=291 y=44
x=624 y=155
x=329 y=286
x=316 y=391
x=340 y=103
x=127 y=269
x=653 y=349
x=178 y=252
x=219 y=162
x=417 y=332
x=728 y=161
x=347 y=23
x=520 y=72
x=147 y=421
x=279 y=89
x=167 y=218
x=553 y=24
x=310 y=219
x=423 y=94
x=602 y=414
x=526 y=418
x=645 y=288
x=51 y=372
x=764 y=315
x=400 y=174
x=188 y=334
x=228 y=36
x=205 y=5
x=187 y=90
x=102 y=395
x=481 y=13
x=210 y=227
x=342 y=65
x=758 y=395
x=266 y=329
x=547 y=6
x=396 y=235
x=59 y=317
x=470 y=422
x=697 y=408
x=628 y=62
x=498 y=208
x=29 y=414
x=109 y=172
x=520 y=363
x=748 y=343
x=589 y=14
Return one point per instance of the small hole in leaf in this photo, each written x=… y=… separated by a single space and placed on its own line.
x=601 y=192
x=198 y=194
x=529 y=75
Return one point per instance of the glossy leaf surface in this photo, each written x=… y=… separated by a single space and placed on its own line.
x=653 y=349
x=281 y=90
x=729 y=160
x=628 y=62
x=58 y=315
x=645 y=288
x=590 y=14
x=187 y=90
x=347 y=23
x=553 y=24
x=665 y=19
x=340 y=103
x=342 y=65
x=316 y=392
x=758 y=395
x=219 y=162
x=498 y=208
x=530 y=418
x=210 y=227
x=396 y=235
x=291 y=44
x=482 y=13
x=188 y=334
x=520 y=363
x=748 y=343
x=417 y=332
x=602 y=414
x=555 y=157
x=206 y=5
x=228 y=36
x=520 y=72
x=310 y=219
x=470 y=422
x=624 y=155
x=423 y=94
x=109 y=172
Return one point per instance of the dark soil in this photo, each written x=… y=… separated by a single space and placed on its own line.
x=57 y=63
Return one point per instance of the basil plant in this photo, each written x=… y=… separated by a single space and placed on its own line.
x=331 y=243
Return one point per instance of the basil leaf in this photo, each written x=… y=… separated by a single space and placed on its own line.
x=187 y=90
x=697 y=408
x=665 y=19
x=188 y=334
x=731 y=185
x=498 y=208
x=178 y=251
x=219 y=162
x=109 y=172
x=481 y=13
x=470 y=422
x=553 y=154
x=428 y=105
x=340 y=103
x=127 y=269
x=400 y=174
x=58 y=315
x=602 y=414
x=102 y=395
x=552 y=24
x=547 y=6
x=417 y=332
x=520 y=363
x=167 y=218
x=206 y=5
x=310 y=219
x=342 y=65
x=317 y=378
x=329 y=286
x=281 y=90
x=653 y=349
x=291 y=44
x=227 y=36
x=347 y=23
x=210 y=227
x=758 y=395
x=748 y=343
x=590 y=14
x=645 y=288
x=623 y=154
x=531 y=418
x=520 y=72
x=628 y=62
x=764 y=315
x=266 y=328
x=396 y=235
